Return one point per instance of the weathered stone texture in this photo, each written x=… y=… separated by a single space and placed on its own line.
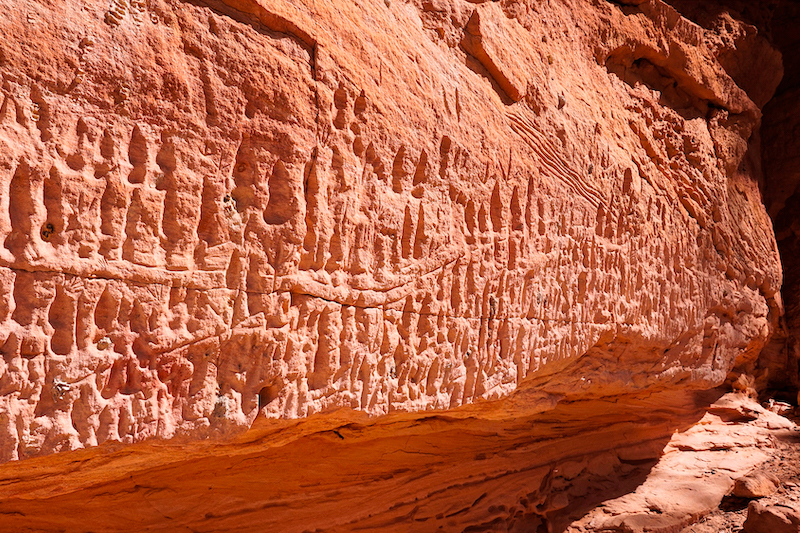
x=214 y=209
x=445 y=263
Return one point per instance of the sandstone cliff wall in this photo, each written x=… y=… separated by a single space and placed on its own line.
x=214 y=209
x=457 y=265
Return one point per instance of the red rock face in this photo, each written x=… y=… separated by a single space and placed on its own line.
x=212 y=212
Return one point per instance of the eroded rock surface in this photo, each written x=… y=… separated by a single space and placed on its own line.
x=427 y=472
x=755 y=485
x=215 y=208
x=214 y=212
x=773 y=518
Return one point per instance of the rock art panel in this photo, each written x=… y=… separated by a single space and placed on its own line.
x=215 y=211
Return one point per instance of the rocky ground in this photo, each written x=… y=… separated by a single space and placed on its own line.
x=686 y=486
x=737 y=452
x=784 y=467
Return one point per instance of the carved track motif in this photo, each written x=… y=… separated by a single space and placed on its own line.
x=551 y=161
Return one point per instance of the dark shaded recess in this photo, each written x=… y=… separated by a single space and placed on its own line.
x=642 y=70
x=781 y=187
x=268 y=394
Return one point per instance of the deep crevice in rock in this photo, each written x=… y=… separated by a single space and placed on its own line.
x=781 y=187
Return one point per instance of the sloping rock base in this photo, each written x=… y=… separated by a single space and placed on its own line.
x=444 y=472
